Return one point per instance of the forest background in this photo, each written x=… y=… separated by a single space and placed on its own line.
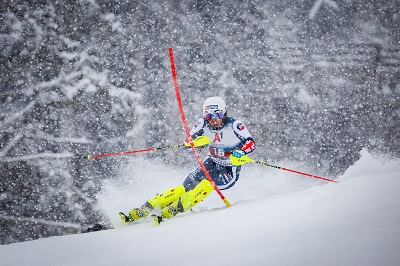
x=315 y=81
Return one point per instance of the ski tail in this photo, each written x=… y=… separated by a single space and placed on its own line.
x=124 y=218
x=157 y=219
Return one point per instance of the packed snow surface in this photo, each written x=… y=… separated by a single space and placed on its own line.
x=276 y=218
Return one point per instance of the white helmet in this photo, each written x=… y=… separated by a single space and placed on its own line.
x=214 y=104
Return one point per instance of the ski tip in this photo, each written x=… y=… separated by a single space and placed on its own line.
x=157 y=219
x=88 y=157
x=124 y=218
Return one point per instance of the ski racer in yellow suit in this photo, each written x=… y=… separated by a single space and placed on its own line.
x=228 y=137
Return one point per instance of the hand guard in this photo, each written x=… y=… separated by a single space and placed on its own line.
x=199 y=142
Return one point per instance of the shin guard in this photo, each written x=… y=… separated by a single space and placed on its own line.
x=186 y=201
x=167 y=197
x=196 y=195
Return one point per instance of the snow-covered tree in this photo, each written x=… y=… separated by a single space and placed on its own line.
x=315 y=81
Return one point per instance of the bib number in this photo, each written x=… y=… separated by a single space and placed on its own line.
x=219 y=153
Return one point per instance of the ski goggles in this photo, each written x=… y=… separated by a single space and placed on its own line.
x=216 y=115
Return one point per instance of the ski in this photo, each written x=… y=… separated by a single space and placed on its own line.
x=96 y=227
x=124 y=218
x=157 y=219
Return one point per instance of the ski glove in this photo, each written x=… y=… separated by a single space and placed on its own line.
x=238 y=153
x=249 y=146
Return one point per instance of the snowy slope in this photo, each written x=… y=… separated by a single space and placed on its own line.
x=276 y=218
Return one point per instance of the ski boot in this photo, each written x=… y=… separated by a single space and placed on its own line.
x=167 y=213
x=135 y=214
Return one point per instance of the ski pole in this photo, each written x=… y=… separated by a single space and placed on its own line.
x=191 y=142
x=198 y=142
x=247 y=159
x=133 y=151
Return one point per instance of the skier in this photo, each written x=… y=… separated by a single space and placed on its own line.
x=227 y=137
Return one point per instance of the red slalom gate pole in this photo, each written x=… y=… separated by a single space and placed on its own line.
x=178 y=98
